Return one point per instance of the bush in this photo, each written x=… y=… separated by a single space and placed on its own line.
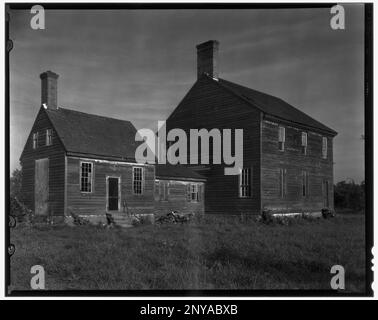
x=19 y=211
x=267 y=216
x=15 y=184
x=349 y=195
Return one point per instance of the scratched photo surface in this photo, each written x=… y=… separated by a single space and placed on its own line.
x=187 y=149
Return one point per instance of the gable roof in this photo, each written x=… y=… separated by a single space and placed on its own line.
x=177 y=172
x=272 y=105
x=90 y=134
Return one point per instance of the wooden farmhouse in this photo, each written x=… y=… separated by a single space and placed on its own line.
x=84 y=163
x=287 y=155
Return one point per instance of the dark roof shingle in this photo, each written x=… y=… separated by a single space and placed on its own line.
x=177 y=171
x=273 y=106
x=94 y=135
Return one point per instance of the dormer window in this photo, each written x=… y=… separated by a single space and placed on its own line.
x=48 y=137
x=304 y=143
x=281 y=138
x=35 y=140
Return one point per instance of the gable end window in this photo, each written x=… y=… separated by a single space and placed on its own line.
x=281 y=138
x=245 y=183
x=86 y=176
x=324 y=147
x=35 y=140
x=304 y=143
x=48 y=137
x=138 y=180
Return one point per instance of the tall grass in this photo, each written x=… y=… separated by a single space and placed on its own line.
x=213 y=253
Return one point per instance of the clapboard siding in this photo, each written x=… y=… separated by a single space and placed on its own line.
x=56 y=155
x=207 y=106
x=294 y=162
x=176 y=199
x=94 y=203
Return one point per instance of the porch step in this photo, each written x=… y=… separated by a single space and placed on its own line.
x=122 y=219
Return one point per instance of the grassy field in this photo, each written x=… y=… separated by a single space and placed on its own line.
x=216 y=253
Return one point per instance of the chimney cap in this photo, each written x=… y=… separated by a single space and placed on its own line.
x=49 y=74
x=207 y=44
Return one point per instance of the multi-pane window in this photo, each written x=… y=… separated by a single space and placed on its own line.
x=281 y=138
x=48 y=137
x=193 y=192
x=35 y=140
x=86 y=177
x=304 y=143
x=304 y=183
x=137 y=180
x=245 y=183
x=324 y=147
x=282 y=183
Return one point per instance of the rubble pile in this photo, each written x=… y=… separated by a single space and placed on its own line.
x=173 y=217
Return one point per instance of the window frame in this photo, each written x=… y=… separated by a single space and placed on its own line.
x=324 y=147
x=304 y=142
x=141 y=181
x=91 y=176
x=35 y=140
x=193 y=189
x=281 y=138
x=248 y=184
x=163 y=190
x=49 y=136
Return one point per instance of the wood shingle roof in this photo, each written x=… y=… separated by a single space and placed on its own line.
x=94 y=135
x=273 y=106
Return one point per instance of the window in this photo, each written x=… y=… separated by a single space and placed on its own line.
x=163 y=190
x=86 y=176
x=245 y=183
x=324 y=147
x=193 y=192
x=138 y=180
x=304 y=143
x=48 y=137
x=35 y=140
x=304 y=183
x=282 y=183
x=281 y=138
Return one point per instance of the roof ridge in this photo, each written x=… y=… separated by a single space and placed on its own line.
x=91 y=114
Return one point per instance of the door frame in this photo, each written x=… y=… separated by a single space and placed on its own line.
x=107 y=192
x=47 y=174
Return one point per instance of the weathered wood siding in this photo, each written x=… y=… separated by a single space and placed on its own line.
x=94 y=203
x=56 y=155
x=208 y=106
x=176 y=199
x=294 y=162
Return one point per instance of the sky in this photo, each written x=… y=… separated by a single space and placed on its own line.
x=137 y=65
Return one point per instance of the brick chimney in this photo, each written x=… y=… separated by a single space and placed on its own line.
x=207 y=59
x=49 y=86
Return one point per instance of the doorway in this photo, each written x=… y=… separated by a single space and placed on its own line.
x=114 y=193
x=41 y=186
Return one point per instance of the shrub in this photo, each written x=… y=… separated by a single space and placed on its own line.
x=327 y=213
x=267 y=216
x=349 y=195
